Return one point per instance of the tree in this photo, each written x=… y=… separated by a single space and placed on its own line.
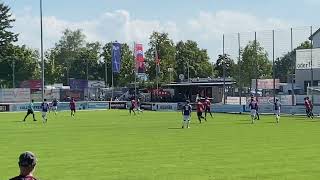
x=24 y=61
x=254 y=64
x=6 y=19
x=285 y=65
x=224 y=61
x=70 y=58
x=188 y=53
x=126 y=75
x=165 y=48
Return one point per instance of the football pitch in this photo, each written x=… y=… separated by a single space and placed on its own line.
x=113 y=145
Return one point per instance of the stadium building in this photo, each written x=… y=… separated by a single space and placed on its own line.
x=304 y=59
x=202 y=87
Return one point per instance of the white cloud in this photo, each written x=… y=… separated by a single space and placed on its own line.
x=207 y=28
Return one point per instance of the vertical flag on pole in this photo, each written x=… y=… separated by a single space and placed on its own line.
x=116 y=57
x=140 y=66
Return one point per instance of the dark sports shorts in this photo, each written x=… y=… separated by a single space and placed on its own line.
x=73 y=110
x=199 y=114
x=29 y=111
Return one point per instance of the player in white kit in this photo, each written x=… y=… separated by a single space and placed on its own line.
x=277 y=107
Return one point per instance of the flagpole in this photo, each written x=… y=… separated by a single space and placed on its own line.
x=157 y=71
x=135 y=70
x=112 y=71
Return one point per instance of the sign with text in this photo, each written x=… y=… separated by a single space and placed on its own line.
x=304 y=57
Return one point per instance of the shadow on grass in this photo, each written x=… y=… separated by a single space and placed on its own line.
x=243 y=122
x=312 y=121
x=174 y=128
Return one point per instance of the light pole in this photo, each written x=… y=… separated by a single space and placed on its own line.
x=41 y=51
x=13 y=73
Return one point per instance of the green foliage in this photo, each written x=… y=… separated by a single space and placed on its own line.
x=6 y=20
x=25 y=62
x=166 y=53
x=188 y=53
x=224 y=61
x=70 y=58
x=126 y=75
x=254 y=63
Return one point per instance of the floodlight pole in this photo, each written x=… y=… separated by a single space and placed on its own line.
x=41 y=51
x=224 y=74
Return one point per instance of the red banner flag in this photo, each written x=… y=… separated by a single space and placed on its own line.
x=139 y=58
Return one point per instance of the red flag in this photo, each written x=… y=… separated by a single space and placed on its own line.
x=140 y=66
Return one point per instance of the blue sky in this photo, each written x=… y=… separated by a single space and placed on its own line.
x=133 y=20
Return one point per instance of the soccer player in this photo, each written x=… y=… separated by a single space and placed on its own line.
x=257 y=115
x=30 y=111
x=44 y=110
x=139 y=106
x=200 y=109
x=55 y=105
x=72 y=106
x=207 y=105
x=307 y=106
x=277 y=107
x=133 y=106
x=253 y=108
x=186 y=113
x=311 y=108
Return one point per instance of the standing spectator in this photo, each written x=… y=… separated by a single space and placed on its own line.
x=30 y=111
x=27 y=163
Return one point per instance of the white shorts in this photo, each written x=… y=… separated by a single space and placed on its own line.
x=44 y=114
x=253 y=112
x=277 y=112
x=186 y=118
x=54 y=108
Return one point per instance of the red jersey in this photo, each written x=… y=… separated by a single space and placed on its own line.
x=207 y=103
x=310 y=104
x=133 y=103
x=307 y=104
x=200 y=107
x=72 y=105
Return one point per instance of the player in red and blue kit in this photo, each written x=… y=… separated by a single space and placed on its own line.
x=207 y=108
x=44 y=109
x=133 y=106
x=253 y=107
x=72 y=106
x=200 y=108
x=186 y=113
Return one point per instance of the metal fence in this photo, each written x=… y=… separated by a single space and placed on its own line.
x=276 y=44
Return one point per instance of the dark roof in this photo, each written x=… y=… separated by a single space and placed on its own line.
x=311 y=37
x=200 y=84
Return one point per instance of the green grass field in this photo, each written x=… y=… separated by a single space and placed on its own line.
x=112 y=145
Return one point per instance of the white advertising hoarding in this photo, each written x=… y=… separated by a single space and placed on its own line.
x=15 y=95
x=303 y=58
x=265 y=83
